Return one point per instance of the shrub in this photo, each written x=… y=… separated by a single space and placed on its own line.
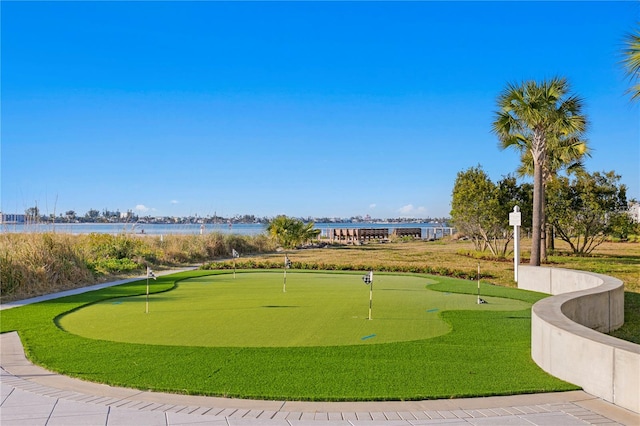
x=109 y=265
x=268 y=264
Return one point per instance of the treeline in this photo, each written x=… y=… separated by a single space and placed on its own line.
x=35 y=264
x=34 y=215
x=583 y=210
x=131 y=218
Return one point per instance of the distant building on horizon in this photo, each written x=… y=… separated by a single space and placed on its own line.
x=12 y=218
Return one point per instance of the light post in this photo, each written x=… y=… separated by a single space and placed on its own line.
x=515 y=220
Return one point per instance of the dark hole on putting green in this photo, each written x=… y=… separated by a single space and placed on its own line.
x=280 y=306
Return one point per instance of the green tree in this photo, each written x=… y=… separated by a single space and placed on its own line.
x=471 y=199
x=531 y=115
x=631 y=62
x=480 y=209
x=623 y=225
x=32 y=214
x=587 y=208
x=290 y=232
x=92 y=214
x=510 y=194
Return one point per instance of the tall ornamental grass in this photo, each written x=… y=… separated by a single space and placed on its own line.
x=181 y=249
x=33 y=264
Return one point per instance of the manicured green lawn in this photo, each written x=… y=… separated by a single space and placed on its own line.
x=485 y=353
x=252 y=310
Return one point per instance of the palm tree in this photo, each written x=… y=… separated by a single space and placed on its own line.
x=531 y=115
x=631 y=62
x=563 y=153
x=290 y=232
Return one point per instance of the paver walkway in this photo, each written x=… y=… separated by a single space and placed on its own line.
x=31 y=395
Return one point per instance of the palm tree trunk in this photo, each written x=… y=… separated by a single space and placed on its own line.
x=536 y=225
x=548 y=236
x=543 y=228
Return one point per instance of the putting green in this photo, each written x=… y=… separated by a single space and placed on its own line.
x=251 y=310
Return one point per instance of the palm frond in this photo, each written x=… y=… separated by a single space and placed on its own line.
x=631 y=62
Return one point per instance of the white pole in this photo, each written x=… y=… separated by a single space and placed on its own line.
x=478 y=282
x=516 y=251
x=147 y=304
x=370 y=293
x=515 y=220
x=286 y=265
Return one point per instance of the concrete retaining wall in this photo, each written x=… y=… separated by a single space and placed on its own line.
x=566 y=333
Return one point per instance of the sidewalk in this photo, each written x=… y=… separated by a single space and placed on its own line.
x=31 y=395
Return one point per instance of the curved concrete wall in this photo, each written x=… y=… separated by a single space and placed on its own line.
x=566 y=333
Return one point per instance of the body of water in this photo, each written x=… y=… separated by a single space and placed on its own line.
x=428 y=229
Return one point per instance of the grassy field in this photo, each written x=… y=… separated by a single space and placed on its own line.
x=35 y=264
x=617 y=259
x=251 y=310
x=485 y=353
x=620 y=260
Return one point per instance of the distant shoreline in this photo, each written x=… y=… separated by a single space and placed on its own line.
x=157 y=229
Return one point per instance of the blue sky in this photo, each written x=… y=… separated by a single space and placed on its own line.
x=299 y=108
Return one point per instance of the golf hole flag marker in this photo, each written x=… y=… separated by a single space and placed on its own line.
x=150 y=274
x=368 y=280
x=480 y=300
x=235 y=255
x=287 y=265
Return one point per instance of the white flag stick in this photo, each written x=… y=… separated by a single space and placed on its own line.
x=368 y=279
x=370 y=293
x=480 y=300
x=287 y=265
x=478 y=282
x=146 y=310
x=235 y=255
x=150 y=274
